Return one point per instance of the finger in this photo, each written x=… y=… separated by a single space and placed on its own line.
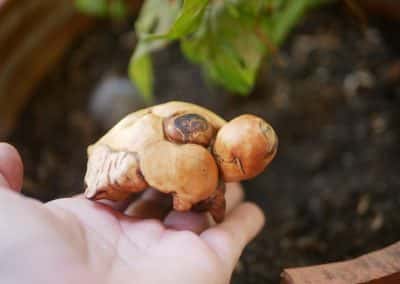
x=229 y=238
x=151 y=204
x=11 y=168
x=187 y=221
x=234 y=196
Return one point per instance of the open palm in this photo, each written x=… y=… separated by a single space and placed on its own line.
x=74 y=240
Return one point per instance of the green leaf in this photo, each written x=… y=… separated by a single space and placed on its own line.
x=155 y=17
x=288 y=17
x=228 y=38
x=118 y=9
x=92 y=7
x=228 y=71
x=188 y=20
x=115 y=8
x=236 y=35
x=227 y=47
x=141 y=72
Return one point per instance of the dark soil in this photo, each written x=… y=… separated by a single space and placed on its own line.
x=333 y=96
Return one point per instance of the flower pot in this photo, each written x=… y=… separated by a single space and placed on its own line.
x=33 y=36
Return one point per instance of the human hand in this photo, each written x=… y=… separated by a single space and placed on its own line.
x=74 y=240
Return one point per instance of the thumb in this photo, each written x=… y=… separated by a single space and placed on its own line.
x=11 y=168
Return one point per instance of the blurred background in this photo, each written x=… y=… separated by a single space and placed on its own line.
x=331 y=91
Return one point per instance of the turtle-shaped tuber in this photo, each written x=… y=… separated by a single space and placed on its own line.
x=181 y=149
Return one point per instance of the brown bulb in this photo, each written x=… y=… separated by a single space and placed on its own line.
x=244 y=147
x=112 y=175
x=182 y=150
x=189 y=128
x=188 y=171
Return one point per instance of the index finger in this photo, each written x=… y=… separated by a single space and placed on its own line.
x=229 y=238
x=11 y=169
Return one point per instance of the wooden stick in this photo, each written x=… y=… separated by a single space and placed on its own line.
x=379 y=267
